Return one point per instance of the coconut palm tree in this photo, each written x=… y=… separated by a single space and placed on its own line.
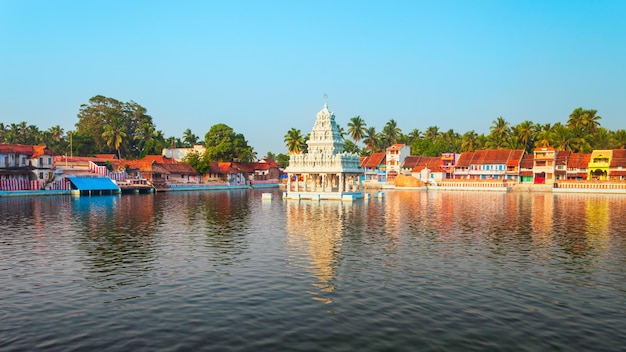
x=56 y=133
x=295 y=141
x=356 y=128
x=391 y=132
x=114 y=134
x=585 y=121
x=469 y=141
x=371 y=139
x=619 y=138
x=414 y=135
x=499 y=132
x=525 y=132
x=189 y=138
x=431 y=132
x=601 y=139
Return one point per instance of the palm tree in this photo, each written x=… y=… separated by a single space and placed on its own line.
x=499 y=132
x=391 y=132
x=561 y=138
x=619 y=139
x=144 y=134
x=294 y=141
x=602 y=139
x=525 y=133
x=370 y=140
x=56 y=133
x=543 y=138
x=414 y=135
x=356 y=128
x=431 y=132
x=114 y=134
x=189 y=138
x=585 y=121
x=469 y=141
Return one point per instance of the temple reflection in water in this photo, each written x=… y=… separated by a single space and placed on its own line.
x=316 y=228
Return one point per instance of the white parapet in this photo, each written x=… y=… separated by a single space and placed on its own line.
x=349 y=197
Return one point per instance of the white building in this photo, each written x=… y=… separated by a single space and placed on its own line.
x=179 y=154
x=395 y=158
x=326 y=171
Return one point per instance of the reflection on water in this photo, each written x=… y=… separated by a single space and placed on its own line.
x=227 y=271
x=317 y=228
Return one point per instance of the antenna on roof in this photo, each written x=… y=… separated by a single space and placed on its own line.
x=325 y=98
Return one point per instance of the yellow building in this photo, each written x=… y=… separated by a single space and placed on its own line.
x=599 y=163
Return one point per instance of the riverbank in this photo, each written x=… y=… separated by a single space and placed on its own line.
x=572 y=187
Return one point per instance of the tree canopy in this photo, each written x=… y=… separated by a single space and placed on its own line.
x=223 y=144
x=123 y=127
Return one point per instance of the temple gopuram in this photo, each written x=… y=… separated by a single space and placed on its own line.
x=325 y=171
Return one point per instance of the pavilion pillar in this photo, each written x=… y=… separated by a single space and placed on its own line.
x=340 y=187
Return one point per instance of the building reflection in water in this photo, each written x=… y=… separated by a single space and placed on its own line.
x=541 y=218
x=315 y=230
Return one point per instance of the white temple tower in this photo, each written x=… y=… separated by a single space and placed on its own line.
x=326 y=171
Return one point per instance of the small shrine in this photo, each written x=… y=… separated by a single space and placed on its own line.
x=325 y=171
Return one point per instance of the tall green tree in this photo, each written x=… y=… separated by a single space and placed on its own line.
x=295 y=141
x=372 y=140
x=127 y=118
x=114 y=134
x=391 y=132
x=499 y=132
x=585 y=121
x=356 y=128
x=223 y=144
x=525 y=132
x=619 y=139
x=189 y=138
x=469 y=141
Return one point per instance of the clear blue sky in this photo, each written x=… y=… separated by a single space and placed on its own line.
x=263 y=67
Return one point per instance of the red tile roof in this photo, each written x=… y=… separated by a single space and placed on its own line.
x=619 y=158
x=527 y=162
x=411 y=161
x=578 y=161
x=510 y=157
x=515 y=157
x=562 y=156
x=105 y=156
x=222 y=167
x=465 y=159
x=267 y=161
x=159 y=159
x=433 y=163
x=374 y=160
x=32 y=151
x=395 y=147
x=179 y=169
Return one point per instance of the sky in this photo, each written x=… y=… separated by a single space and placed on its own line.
x=264 y=67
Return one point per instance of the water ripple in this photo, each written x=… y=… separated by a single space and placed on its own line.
x=227 y=271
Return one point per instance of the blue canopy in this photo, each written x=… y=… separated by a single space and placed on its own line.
x=93 y=183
